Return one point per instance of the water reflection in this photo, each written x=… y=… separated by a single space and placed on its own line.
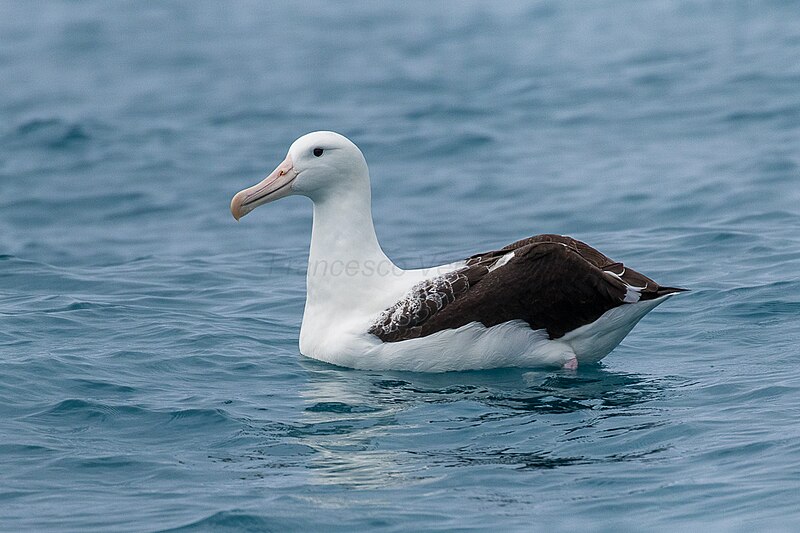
x=515 y=389
x=371 y=429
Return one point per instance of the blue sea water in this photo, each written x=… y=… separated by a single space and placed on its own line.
x=151 y=378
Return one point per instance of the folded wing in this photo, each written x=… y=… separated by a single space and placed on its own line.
x=552 y=282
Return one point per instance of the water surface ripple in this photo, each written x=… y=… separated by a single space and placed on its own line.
x=151 y=378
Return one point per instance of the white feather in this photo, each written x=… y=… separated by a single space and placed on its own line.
x=502 y=261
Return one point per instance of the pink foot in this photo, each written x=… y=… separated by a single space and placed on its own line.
x=572 y=364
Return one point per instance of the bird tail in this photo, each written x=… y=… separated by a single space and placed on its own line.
x=664 y=291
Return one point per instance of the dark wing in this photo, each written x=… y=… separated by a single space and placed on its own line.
x=649 y=288
x=552 y=282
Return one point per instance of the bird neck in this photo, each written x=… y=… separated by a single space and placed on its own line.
x=346 y=261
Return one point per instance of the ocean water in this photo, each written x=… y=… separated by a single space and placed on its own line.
x=151 y=378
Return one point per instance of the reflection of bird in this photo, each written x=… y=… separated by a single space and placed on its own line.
x=546 y=300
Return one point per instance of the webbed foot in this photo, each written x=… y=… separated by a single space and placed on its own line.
x=572 y=364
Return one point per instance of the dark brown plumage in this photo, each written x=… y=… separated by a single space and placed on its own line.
x=553 y=282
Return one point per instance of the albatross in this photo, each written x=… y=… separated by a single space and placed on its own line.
x=548 y=300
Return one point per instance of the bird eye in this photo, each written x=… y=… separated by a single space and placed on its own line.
x=318 y=152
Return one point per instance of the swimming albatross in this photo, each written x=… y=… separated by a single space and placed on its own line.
x=545 y=300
